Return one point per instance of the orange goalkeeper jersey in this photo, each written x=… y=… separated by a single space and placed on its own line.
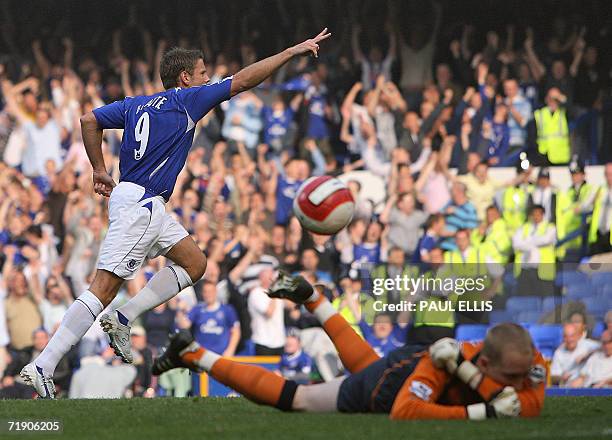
x=432 y=393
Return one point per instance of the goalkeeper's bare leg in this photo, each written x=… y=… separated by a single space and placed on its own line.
x=262 y=386
x=255 y=383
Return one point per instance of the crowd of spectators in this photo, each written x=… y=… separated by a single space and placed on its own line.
x=583 y=362
x=402 y=93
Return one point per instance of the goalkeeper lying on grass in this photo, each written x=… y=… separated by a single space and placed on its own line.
x=501 y=377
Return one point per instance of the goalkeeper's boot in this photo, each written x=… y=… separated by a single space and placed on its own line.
x=35 y=377
x=295 y=288
x=180 y=344
x=119 y=335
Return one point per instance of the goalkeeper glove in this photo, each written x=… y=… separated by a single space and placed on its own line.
x=446 y=353
x=505 y=404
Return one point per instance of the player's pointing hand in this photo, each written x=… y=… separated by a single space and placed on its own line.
x=103 y=183
x=311 y=45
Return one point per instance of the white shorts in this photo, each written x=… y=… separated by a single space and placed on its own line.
x=139 y=228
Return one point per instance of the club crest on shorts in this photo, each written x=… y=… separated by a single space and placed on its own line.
x=131 y=265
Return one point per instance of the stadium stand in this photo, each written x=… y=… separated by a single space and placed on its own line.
x=471 y=332
x=461 y=112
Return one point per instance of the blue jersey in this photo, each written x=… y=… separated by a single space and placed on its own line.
x=367 y=253
x=276 y=124
x=211 y=328
x=426 y=243
x=530 y=91
x=286 y=190
x=498 y=146
x=296 y=363
x=317 y=126
x=383 y=347
x=158 y=132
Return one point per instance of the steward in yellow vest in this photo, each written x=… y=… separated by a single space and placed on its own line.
x=393 y=268
x=471 y=262
x=552 y=129
x=600 y=238
x=572 y=205
x=433 y=319
x=353 y=304
x=515 y=198
x=492 y=237
x=534 y=249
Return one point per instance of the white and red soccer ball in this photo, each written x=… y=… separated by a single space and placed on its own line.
x=324 y=205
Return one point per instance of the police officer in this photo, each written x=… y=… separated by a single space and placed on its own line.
x=544 y=194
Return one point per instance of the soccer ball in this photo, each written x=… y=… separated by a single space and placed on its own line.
x=324 y=205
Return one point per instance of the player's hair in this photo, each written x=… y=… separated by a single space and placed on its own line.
x=175 y=61
x=505 y=337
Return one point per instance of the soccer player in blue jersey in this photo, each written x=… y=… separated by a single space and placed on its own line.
x=214 y=325
x=157 y=135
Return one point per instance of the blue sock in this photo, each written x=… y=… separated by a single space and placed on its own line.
x=122 y=319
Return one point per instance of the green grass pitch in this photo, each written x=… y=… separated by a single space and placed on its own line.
x=236 y=418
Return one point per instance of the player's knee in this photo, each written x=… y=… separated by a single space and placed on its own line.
x=197 y=268
x=105 y=286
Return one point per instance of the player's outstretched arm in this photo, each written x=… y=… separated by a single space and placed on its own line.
x=92 y=139
x=255 y=73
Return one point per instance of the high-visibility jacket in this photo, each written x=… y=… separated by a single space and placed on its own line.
x=546 y=265
x=598 y=206
x=382 y=272
x=435 y=310
x=496 y=243
x=348 y=314
x=472 y=266
x=553 y=135
x=514 y=206
x=567 y=220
